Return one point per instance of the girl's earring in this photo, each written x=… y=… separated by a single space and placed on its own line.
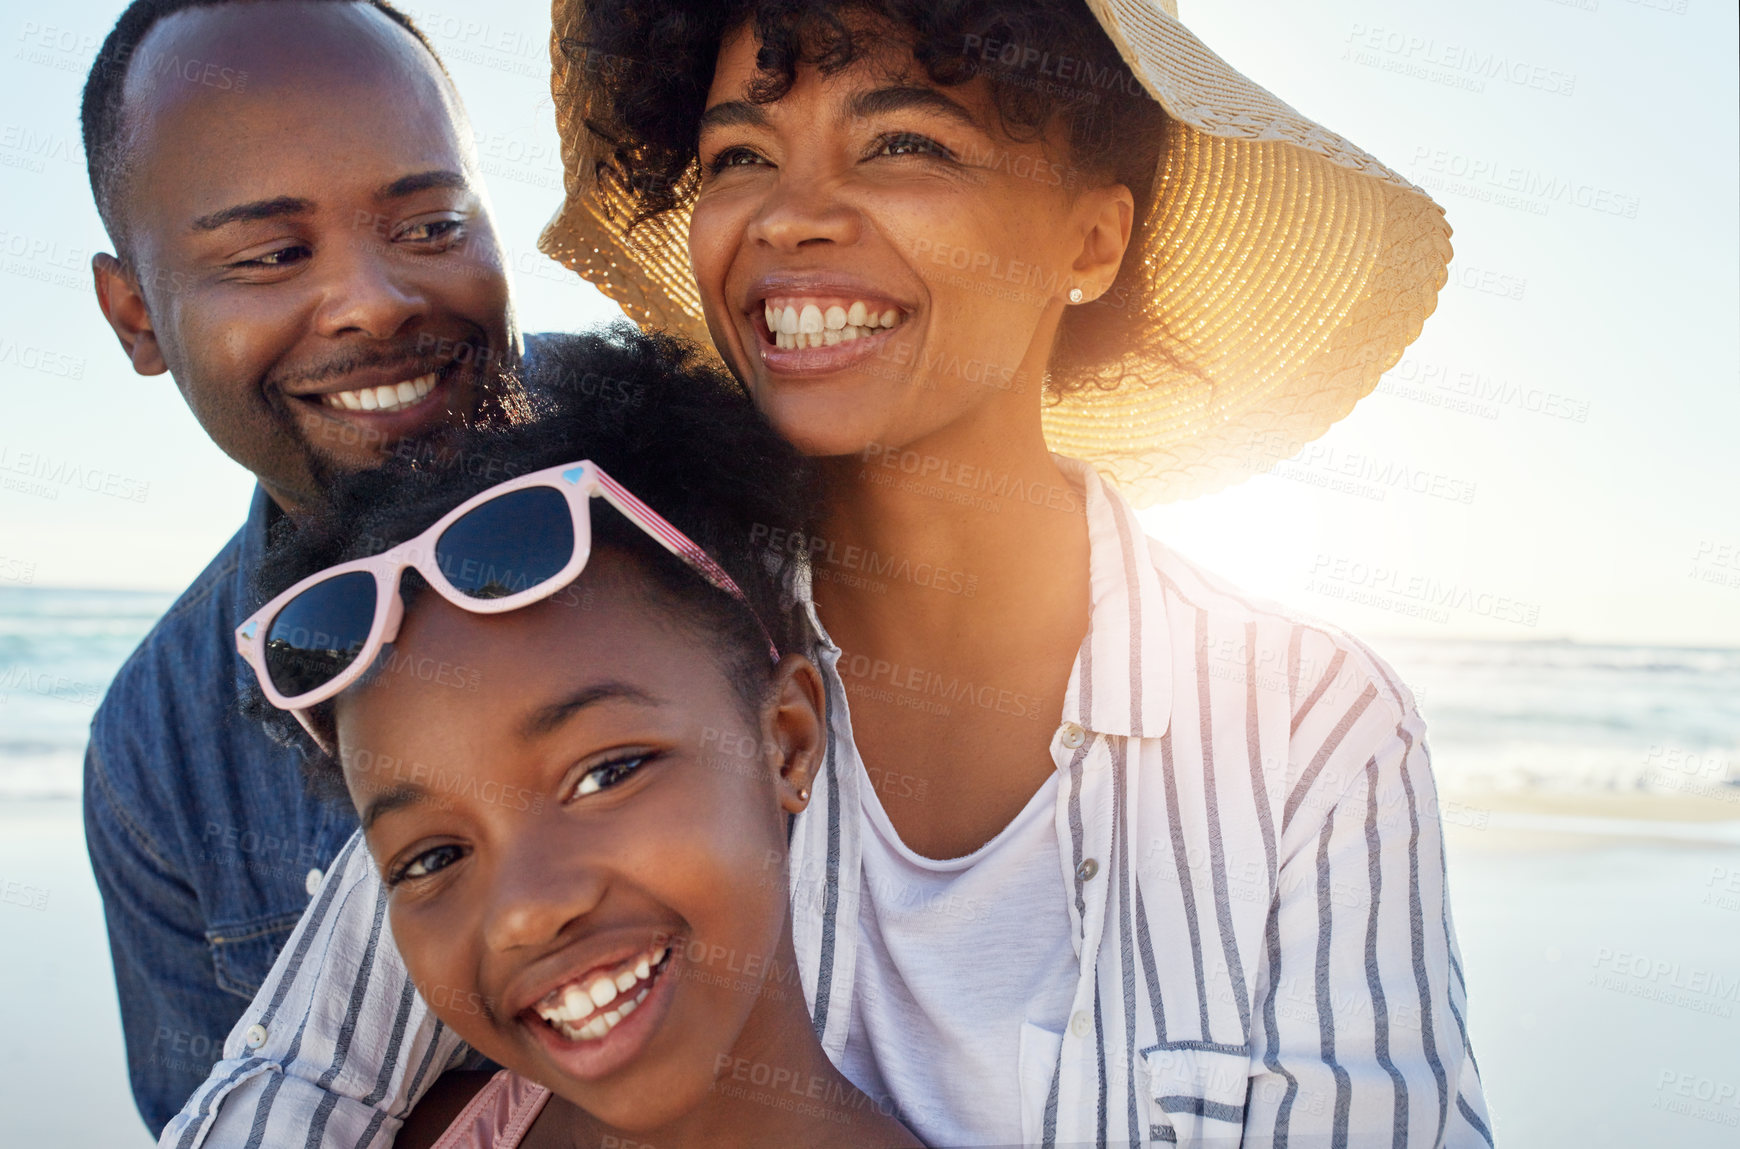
x=803 y=793
x=1075 y=295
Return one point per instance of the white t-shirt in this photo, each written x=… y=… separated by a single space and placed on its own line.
x=956 y=959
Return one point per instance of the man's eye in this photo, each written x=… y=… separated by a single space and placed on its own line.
x=282 y=257
x=609 y=774
x=426 y=864
x=910 y=144
x=431 y=230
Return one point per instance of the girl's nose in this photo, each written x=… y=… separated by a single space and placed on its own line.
x=541 y=884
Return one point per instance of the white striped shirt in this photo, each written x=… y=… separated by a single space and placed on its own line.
x=1249 y=832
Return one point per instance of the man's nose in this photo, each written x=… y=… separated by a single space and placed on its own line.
x=803 y=210
x=540 y=887
x=366 y=293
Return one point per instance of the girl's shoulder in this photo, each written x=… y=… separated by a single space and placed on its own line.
x=473 y=1109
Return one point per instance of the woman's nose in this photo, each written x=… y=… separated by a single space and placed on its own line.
x=803 y=210
x=538 y=889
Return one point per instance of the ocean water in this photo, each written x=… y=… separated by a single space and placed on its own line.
x=58 y=651
x=1555 y=716
x=1564 y=716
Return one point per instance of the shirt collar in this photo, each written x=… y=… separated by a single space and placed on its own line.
x=1122 y=680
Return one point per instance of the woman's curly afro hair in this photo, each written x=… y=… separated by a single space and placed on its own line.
x=681 y=435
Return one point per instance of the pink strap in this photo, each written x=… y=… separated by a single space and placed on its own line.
x=498 y=1115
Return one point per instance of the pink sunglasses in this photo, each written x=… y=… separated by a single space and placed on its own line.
x=502 y=549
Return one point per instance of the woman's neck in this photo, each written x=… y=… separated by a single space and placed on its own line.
x=953 y=574
x=925 y=544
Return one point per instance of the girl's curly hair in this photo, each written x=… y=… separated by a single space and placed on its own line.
x=679 y=434
x=1047 y=62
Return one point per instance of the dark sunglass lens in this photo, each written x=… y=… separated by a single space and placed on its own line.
x=320 y=632
x=508 y=545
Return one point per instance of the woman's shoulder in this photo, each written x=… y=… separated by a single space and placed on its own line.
x=1285 y=648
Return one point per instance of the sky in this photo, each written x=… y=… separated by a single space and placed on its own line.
x=1554 y=458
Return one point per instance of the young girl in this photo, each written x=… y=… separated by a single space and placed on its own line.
x=577 y=789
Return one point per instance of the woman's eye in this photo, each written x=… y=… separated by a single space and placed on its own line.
x=426 y=864
x=738 y=157
x=911 y=144
x=607 y=775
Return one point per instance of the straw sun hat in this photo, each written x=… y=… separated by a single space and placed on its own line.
x=1284 y=267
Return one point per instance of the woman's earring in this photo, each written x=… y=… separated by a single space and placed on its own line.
x=803 y=793
x=1075 y=295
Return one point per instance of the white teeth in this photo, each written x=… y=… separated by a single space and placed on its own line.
x=387 y=397
x=603 y=992
x=625 y=979
x=611 y=1018
x=795 y=326
x=628 y=1007
x=641 y=969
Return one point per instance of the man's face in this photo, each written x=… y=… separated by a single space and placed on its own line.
x=313 y=256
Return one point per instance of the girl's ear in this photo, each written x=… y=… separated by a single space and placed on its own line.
x=794 y=729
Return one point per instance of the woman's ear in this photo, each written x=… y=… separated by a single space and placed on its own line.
x=794 y=729
x=1105 y=215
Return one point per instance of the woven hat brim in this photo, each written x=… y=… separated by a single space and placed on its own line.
x=1283 y=270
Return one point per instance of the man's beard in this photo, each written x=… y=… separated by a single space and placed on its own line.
x=502 y=402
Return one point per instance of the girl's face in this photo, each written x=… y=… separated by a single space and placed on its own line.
x=582 y=836
x=923 y=256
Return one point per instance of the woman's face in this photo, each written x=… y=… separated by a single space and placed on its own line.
x=582 y=837
x=923 y=256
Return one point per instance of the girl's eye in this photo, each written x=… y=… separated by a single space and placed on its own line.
x=736 y=157
x=910 y=144
x=426 y=864
x=282 y=257
x=608 y=774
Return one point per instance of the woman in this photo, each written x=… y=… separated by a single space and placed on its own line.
x=1205 y=903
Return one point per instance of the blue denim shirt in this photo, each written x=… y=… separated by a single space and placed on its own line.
x=204 y=842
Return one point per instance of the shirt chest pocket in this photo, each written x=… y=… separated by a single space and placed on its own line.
x=1198 y=1096
x=242 y=956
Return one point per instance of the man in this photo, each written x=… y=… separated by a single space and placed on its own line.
x=302 y=243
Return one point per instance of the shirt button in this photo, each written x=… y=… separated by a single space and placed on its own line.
x=255 y=1036
x=1072 y=735
x=1086 y=871
x=1081 y=1024
x=312 y=882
